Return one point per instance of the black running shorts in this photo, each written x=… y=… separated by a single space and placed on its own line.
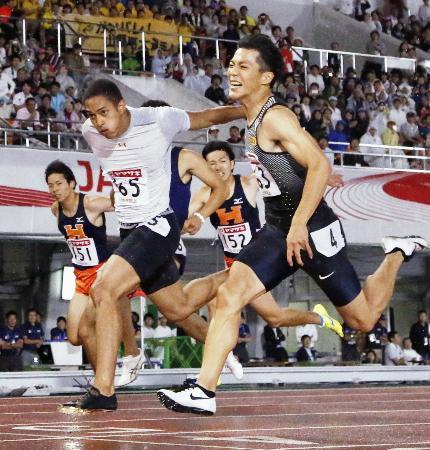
x=330 y=266
x=150 y=253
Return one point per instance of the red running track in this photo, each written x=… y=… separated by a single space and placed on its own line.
x=391 y=418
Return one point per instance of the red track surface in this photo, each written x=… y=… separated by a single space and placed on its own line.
x=365 y=418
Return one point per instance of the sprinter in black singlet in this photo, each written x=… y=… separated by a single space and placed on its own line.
x=301 y=231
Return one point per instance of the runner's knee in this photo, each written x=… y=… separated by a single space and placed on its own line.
x=363 y=324
x=229 y=300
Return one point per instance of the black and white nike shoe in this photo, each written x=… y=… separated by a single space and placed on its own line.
x=191 y=398
x=408 y=245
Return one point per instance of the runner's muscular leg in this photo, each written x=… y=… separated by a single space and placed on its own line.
x=363 y=312
x=128 y=333
x=267 y=308
x=74 y=314
x=117 y=278
x=87 y=333
x=241 y=286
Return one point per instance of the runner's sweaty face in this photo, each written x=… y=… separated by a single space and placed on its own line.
x=110 y=120
x=220 y=163
x=59 y=187
x=245 y=75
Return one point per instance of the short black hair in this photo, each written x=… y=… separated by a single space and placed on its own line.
x=422 y=311
x=218 y=145
x=213 y=77
x=11 y=313
x=46 y=95
x=391 y=335
x=29 y=310
x=60 y=318
x=29 y=99
x=154 y=104
x=103 y=88
x=304 y=337
x=55 y=83
x=134 y=314
x=148 y=315
x=270 y=58
x=58 y=166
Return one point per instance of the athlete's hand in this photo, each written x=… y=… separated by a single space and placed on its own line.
x=335 y=180
x=192 y=225
x=297 y=240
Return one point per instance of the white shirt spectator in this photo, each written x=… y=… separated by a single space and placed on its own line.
x=197 y=82
x=6 y=109
x=159 y=63
x=11 y=72
x=380 y=122
x=7 y=85
x=369 y=138
x=410 y=356
x=398 y=116
x=318 y=79
x=392 y=351
x=336 y=115
x=424 y=14
x=164 y=332
x=409 y=130
x=24 y=114
x=346 y=7
x=19 y=99
x=148 y=332
x=310 y=330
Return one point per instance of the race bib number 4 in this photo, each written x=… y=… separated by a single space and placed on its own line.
x=234 y=237
x=329 y=240
x=267 y=183
x=84 y=252
x=130 y=187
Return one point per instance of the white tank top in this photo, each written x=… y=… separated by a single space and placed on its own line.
x=138 y=162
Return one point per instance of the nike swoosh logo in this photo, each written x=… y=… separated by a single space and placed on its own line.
x=197 y=398
x=326 y=276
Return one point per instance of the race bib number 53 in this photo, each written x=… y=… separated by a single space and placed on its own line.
x=267 y=183
x=130 y=186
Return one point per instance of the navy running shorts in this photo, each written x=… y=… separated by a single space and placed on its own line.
x=151 y=253
x=181 y=257
x=330 y=267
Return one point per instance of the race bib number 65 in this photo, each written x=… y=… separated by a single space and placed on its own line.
x=130 y=186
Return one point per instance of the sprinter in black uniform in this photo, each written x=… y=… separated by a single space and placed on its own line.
x=300 y=231
x=81 y=220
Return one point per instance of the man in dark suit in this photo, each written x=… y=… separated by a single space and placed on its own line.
x=273 y=338
x=305 y=352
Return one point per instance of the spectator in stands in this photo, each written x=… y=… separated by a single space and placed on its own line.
x=6 y=109
x=396 y=113
x=215 y=92
x=338 y=138
x=315 y=76
x=424 y=13
x=135 y=319
x=410 y=355
x=310 y=331
x=240 y=351
x=46 y=112
x=159 y=63
x=11 y=343
x=323 y=144
x=59 y=333
x=273 y=338
x=19 y=99
x=350 y=157
x=33 y=336
x=315 y=126
x=163 y=331
x=265 y=24
x=147 y=329
x=58 y=99
x=75 y=62
x=346 y=7
x=245 y=18
x=377 y=339
x=232 y=34
x=12 y=70
x=64 y=79
x=371 y=137
x=213 y=133
x=336 y=114
x=276 y=34
x=420 y=335
x=28 y=117
x=379 y=117
x=409 y=131
x=7 y=86
x=235 y=137
x=393 y=352
x=306 y=352
x=370 y=357
x=375 y=46
x=349 y=344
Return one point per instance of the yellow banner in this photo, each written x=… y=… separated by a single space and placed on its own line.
x=121 y=29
